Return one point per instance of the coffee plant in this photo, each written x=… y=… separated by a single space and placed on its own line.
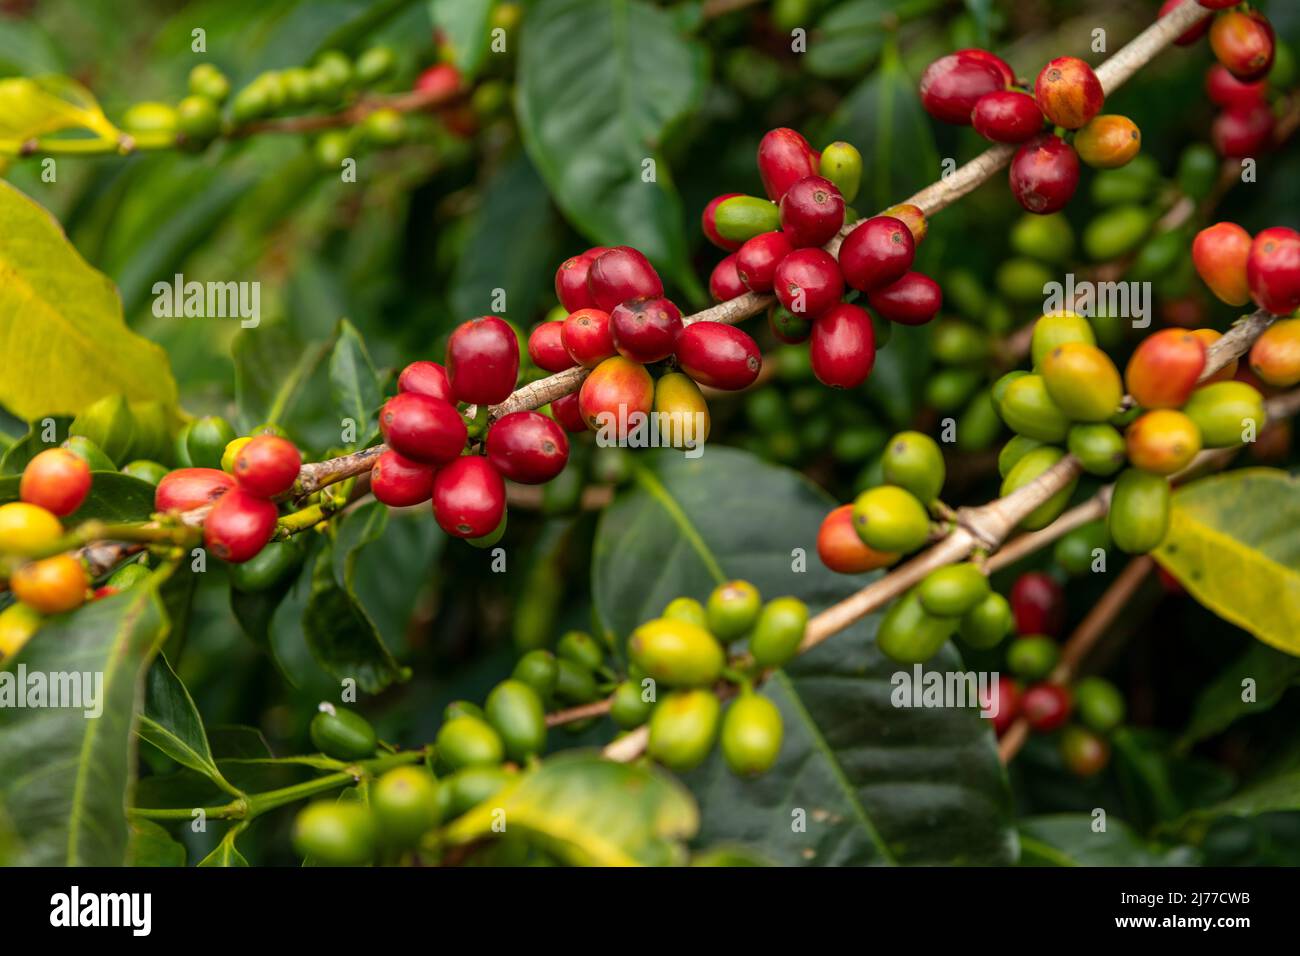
x=393 y=473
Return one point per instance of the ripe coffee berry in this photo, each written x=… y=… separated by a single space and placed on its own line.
x=1044 y=174
x=1068 y=92
x=546 y=347
x=399 y=482
x=56 y=480
x=426 y=378
x=992 y=59
x=239 y=525
x=1108 y=141
x=1275 y=356
x=841 y=548
x=571 y=280
x=808 y=282
x=1227 y=91
x=1164 y=369
x=1243 y=131
x=757 y=259
x=877 y=252
x=843 y=346
x=1220 y=253
x=1273 y=270
x=912 y=300
x=267 y=466
x=620 y=274
x=1007 y=116
x=1046 y=706
x=1038 y=604
x=718 y=355
x=784 y=158
x=953 y=84
x=725 y=283
x=587 y=337
x=645 y=330
x=424 y=429
x=527 y=447
x=566 y=411
x=483 y=360
x=1243 y=42
x=1005 y=706
x=187 y=488
x=51 y=586
x=614 y=390
x=812 y=211
x=709 y=224
x=469 y=497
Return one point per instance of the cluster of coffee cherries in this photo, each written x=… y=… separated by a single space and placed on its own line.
x=977 y=88
x=1239 y=268
x=620 y=325
x=776 y=246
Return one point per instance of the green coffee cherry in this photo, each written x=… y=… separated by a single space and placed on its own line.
x=1022 y=280
x=958 y=343
x=999 y=389
x=891 y=519
x=841 y=163
x=1082 y=381
x=181 y=447
x=610 y=465
x=574 y=684
x=374 y=64
x=1158 y=257
x=300 y=86
x=963 y=290
x=1100 y=448
x=953 y=590
x=948 y=389
x=517 y=713
x=149 y=118
x=207 y=439
x=779 y=631
x=741 y=218
x=109 y=424
x=913 y=461
x=1198 y=171
x=89 y=452
x=682 y=729
x=1028 y=410
x=493 y=536
x=198 y=118
x=539 y=670
x=1029 y=468
x=687 y=609
x=405 y=804
x=1074 y=552
x=987 y=623
x=909 y=635
x=581 y=648
x=1052 y=331
x=335 y=833
x=252 y=102
x=1099 y=704
x=332 y=148
x=333 y=73
x=342 y=734
x=384 y=127
x=150 y=471
x=1224 y=412
x=1048 y=238
x=1017 y=448
x=1135 y=182
x=1032 y=658
x=470 y=786
x=461 y=708
x=207 y=80
x=128 y=576
x=1115 y=232
x=469 y=742
x=152 y=436
x=732 y=609
x=676 y=653
x=854 y=444
x=1139 y=511
x=751 y=734
x=266 y=569
x=628 y=708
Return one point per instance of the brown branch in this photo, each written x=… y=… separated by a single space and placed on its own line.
x=409 y=102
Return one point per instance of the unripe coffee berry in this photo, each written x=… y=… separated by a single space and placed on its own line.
x=423 y=429
x=876 y=253
x=708 y=223
x=1032 y=658
x=1273 y=270
x=267 y=466
x=808 y=282
x=405 y=805
x=187 y=488
x=686 y=609
x=1164 y=368
x=683 y=728
x=1108 y=141
x=645 y=330
x=1243 y=42
x=527 y=447
x=1038 y=604
x=842 y=549
x=987 y=623
x=587 y=337
x=784 y=158
x=1100 y=704
x=1044 y=174
x=620 y=274
x=786 y=326
x=399 y=482
x=725 y=283
x=1275 y=356
x=1007 y=116
x=843 y=346
x=1046 y=706
x=1227 y=413
x=740 y=218
x=953 y=590
x=676 y=653
x=342 y=734
x=757 y=259
x=469 y=497
x=841 y=163
x=52 y=585
x=469 y=742
x=889 y=519
x=751 y=734
x=1162 y=441
x=518 y=714
x=720 y=356
x=953 y=84
x=1138 y=518
x=1220 y=254
x=913 y=461
x=908 y=634
x=812 y=211
x=1083 y=752
x=571 y=280
x=732 y=609
x=1029 y=469
x=1082 y=381
x=239 y=525
x=56 y=480
x=546 y=347
x=1068 y=92
x=778 y=632
x=539 y=670
x=335 y=833
x=912 y=300
x=483 y=360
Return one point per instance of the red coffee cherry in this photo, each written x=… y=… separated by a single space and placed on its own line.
x=399 y=482
x=843 y=346
x=993 y=60
x=1007 y=705
x=877 y=252
x=566 y=411
x=645 y=330
x=1164 y=368
x=441 y=79
x=1243 y=42
x=571 y=280
x=808 y=282
x=1038 y=604
x=469 y=497
x=546 y=347
x=527 y=447
x=239 y=525
x=708 y=222
x=1188 y=37
x=725 y=283
x=587 y=337
x=718 y=355
x=784 y=158
x=842 y=549
x=1241 y=132
x=1046 y=706
x=267 y=465
x=56 y=480
x=426 y=378
x=483 y=360
x=615 y=389
x=1068 y=92
x=1227 y=91
x=1044 y=174
x=812 y=211
x=914 y=299
x=953 y=84
x=1007 y=116
x=188 y=488
x=1273 y=270
x=1219 y=253
x=620 y=274
x=423 y=429
x=758 y=258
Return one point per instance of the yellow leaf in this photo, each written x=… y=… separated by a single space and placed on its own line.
x=1234 y=544
x=37 y=106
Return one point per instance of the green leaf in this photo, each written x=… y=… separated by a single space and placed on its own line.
x=849 y=38
x=590 y=812
x=1220 y=703
x=151 y=845
x=1070 y=839
x=1234 y=544
x=226 y=854
x=65 y=779
x=113 y=497
x=31 y=107
x=600 y=86
x=877 y=783
x=273 y=373
x=354 y=381
x=464 y=25
x=171 y=722
x=62 y=334
x=33 y=442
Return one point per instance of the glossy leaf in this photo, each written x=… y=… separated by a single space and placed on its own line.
x=226 y=853
x=1220 y=703
x=1079 y=839
x=151 y=845
x=464 y=26
x=37 y=106
x=354 y=381
x=33 y=442
x=171 y=722
x=113 y=497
